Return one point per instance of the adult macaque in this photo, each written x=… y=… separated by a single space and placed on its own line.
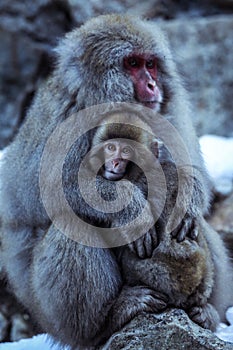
x=77 y=292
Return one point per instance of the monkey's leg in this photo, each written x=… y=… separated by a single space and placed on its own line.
x=206 y=316
x=181 y=272
x=216 y=285
x=16 y=251
x=221 y=296
x=77 y=292
x=72 y=285
x=185 y=202
x=131 y=301
x=148 y=240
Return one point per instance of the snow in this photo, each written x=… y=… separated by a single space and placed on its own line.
x=218 y=156
x=217 y=152
x=39 y=342
x=225 y=332
x=1 y=157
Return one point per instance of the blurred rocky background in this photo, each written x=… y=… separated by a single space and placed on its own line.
x=202 y=38
x=200 y=33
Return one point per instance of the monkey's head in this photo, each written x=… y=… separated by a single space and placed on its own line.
x=115 y=58
x=117 y=154
x=120 y=147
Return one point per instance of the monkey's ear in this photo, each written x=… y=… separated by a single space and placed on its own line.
x=69 y=67
x=155 y=147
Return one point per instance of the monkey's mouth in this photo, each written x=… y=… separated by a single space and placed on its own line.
x=110 y=175
x=151 y=104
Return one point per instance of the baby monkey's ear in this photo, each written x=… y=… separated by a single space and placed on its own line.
x=155 y=147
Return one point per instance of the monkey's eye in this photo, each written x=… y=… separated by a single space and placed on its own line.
x=127 y=150
x=110 y=147
x=150 y=64
x=133 y=62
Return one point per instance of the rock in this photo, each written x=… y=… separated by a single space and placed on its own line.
x=19 y=324
x=166 y=9
x=28 y=31
x=4 y=325
x=204 y=53
x=221 y=218
x=19 y=327
x=171 y=330
x=40 y=20
x=223 y=188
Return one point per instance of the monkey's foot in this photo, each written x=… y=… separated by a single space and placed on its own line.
x=205 y=316
x=187 y=228
x=135 y=300
x=131 y=302
x=144 y=246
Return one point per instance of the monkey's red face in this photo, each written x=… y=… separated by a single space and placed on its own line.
x=143 y=72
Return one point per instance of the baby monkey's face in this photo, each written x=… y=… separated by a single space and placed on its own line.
x=117 y=155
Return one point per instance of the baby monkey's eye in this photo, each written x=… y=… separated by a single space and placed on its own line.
x=127 y=150
x=110 y=147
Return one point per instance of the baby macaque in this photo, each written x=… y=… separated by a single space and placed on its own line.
x=188 y=274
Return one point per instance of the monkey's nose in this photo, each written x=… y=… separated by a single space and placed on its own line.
x=115 y=163
x=151 y=85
